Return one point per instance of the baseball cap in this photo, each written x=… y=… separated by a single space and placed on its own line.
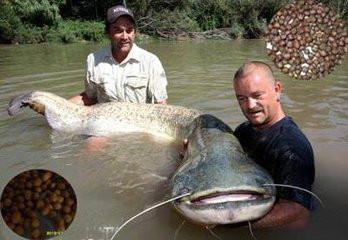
x=117 y=11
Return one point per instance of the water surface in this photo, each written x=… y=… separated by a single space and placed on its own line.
x=131 y=172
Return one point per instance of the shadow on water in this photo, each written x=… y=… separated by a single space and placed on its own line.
x=131 y=171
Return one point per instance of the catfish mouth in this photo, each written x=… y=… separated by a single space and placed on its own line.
x=223 y=197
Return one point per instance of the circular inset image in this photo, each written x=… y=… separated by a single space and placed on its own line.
x=38 y=204
x=306 y=40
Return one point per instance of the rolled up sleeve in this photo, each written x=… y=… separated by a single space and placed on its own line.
x=90 y=88
x=158 y=81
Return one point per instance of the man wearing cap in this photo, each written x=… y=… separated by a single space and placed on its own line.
x=123 y=71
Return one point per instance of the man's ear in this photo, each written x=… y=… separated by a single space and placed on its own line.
x=278 y=89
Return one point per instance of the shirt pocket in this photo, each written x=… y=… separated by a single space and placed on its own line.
x=105 y=88
x=136 y=88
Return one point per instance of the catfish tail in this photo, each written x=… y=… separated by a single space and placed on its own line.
x=60 y=114
x=17 y=103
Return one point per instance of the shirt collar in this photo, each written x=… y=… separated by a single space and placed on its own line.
x=134 y=54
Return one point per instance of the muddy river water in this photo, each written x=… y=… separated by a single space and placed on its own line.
x=131 y=172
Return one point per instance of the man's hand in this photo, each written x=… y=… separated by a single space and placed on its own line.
x=83 y=99
x=285 y=214
x=162 y=101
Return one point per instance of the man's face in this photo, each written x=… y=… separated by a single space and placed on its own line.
x=122 y=34
x=258 y=98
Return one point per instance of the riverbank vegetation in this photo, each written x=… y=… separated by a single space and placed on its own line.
x=36 y=21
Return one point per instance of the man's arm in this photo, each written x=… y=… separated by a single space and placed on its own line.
x=287 y=214
x=157 y=87
x=162 y=101
x=296 y=169
x=83 y=99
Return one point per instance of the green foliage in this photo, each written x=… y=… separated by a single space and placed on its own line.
x=250 y=18
x=246 y=18
x=148 y=8
x=27 y=21
x=211 y=14
x=74 y=31
x=38 y=12
x=9 y=22
x=237 y=30
x=168 y=23
x=29 y=34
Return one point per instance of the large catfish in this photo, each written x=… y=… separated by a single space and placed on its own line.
x=224 y=185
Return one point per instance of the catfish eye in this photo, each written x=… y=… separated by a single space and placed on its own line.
x=185 y=144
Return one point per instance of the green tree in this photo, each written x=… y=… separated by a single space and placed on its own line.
x=38 y=12
x=9 y=22
x=27 y=21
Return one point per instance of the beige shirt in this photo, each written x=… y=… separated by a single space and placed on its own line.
x=140 y=77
